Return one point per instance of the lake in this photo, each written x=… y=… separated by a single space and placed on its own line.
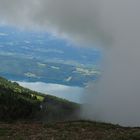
x=74 y=94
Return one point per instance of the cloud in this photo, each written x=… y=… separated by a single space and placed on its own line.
x=116 y=97
x=75 y=19
x=67 y=92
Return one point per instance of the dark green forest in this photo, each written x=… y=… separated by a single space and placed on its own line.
x=17 y=103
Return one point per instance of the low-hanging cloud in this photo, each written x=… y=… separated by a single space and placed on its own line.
x=74 y=19
x=115 y=23
x=116 y=97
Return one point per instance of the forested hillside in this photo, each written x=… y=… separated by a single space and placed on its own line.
x=17 y=103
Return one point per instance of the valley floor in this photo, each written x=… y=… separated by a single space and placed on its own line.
x=75 y=130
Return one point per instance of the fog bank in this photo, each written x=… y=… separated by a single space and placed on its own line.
x=115 y=97
x=70 y=93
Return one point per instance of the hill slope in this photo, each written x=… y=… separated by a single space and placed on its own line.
x=76 y=130
x=17 y=103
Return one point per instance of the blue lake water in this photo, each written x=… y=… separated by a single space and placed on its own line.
x=70 y=93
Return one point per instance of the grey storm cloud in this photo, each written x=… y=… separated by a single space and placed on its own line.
x=75 y=19
x=116 y=23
